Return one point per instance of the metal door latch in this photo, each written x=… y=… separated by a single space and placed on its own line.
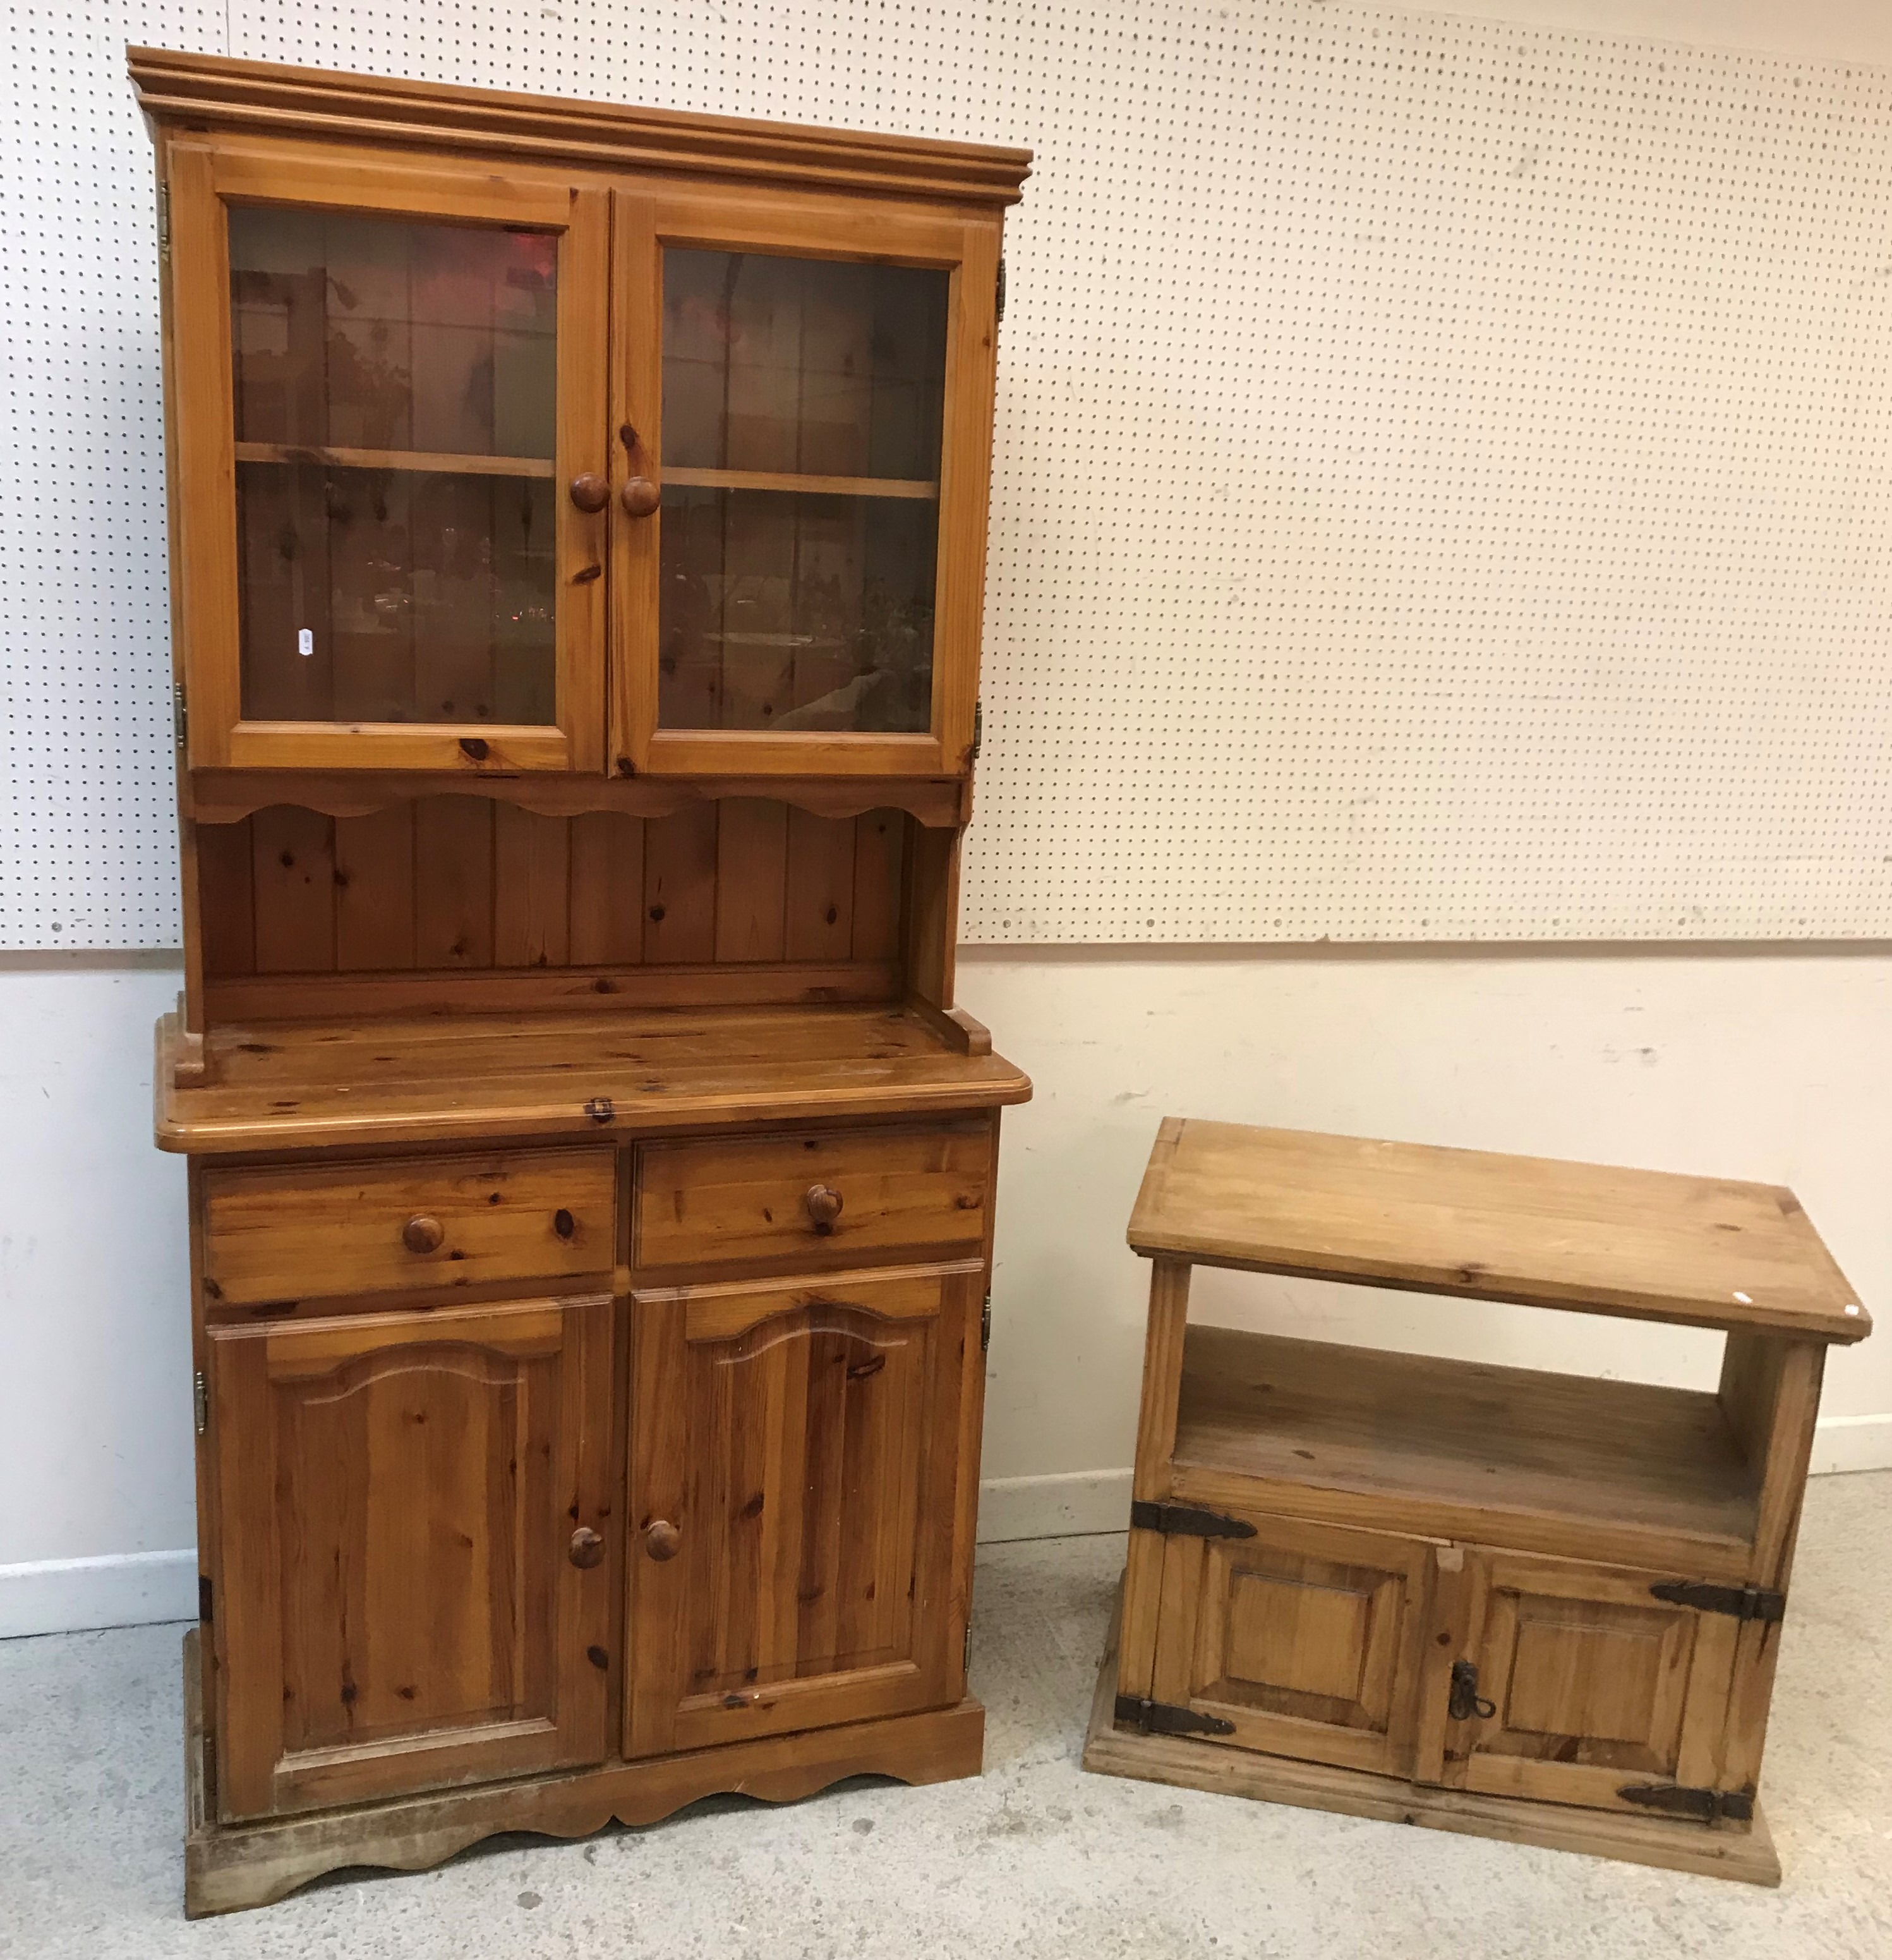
x=1466 y=1701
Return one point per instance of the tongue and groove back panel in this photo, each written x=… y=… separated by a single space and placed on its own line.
x=1439 y=492
x=438 y=893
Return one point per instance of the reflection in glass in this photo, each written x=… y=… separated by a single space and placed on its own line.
x=395 y=389
x=783 y=607
x=816 y=366
x=427 y=596
x=794 y=611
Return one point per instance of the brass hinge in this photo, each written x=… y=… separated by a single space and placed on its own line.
x=1707 y=1806
x=978 y=729
x=985 y=1324
x=205 y=1599
x=1184 y=1521
x=164 y=220
x=200 y=1399
x=1163 y=1718
x=1001 y=287
x=1742 y=1602
x=180 y=714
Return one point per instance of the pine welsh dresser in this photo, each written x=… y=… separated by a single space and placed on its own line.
x=577 y=522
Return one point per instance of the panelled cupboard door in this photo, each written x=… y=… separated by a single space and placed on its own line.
x=411 y=1589
x=387 y=403
x=797 y=1550
x=802 y=402
x=1305 y=1638
x=1595 y=1685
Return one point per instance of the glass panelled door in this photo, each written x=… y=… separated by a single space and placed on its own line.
x=395 y=406
x=802 y=401
x=415 y=430
x=811 y=561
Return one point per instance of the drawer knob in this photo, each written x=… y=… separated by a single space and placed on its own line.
x=823 y=1202
x=662 y=1540
x=423 y=1234
x=587 y=1549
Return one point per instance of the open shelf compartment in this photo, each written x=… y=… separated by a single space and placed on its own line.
x=1445 y=1448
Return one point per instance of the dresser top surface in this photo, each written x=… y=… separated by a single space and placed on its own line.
x=1646 y=1245
x=313 y=1084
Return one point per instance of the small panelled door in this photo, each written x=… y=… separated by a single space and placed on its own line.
x=411 y=1587
x=1305 y=1639
x=800 y=1502
x=1596 y=1687
x=803 y=410
x=387 y=404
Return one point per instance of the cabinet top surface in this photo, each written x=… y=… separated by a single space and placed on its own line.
x=1646 y=1245
x=214 y=92
x=305 y=1085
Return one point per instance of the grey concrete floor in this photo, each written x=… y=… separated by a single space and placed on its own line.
x=1034 y=1858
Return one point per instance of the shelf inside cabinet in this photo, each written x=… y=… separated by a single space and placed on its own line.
x=437 y=463
x=280 y=1085
x=919 y=488
x=1553 y=1462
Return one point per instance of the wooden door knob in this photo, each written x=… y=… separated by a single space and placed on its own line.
x=590 y=492
x=587 y=1549
x=639 y=496
x=423 y=1234
x=823 y=1202
x=661 y=1539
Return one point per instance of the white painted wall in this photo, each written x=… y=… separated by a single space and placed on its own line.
x=1777 y=1067
x=95 y=1403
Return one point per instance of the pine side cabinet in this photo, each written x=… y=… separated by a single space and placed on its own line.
x=1535 y=1606
x=577 y=521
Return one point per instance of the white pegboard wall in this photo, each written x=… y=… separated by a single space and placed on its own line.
x=1438 y=491
x=88 y=851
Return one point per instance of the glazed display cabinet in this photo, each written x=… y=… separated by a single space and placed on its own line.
x=578 y=518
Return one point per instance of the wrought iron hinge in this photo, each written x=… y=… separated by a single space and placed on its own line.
x=1001 y=287
x=1163 y=1718
x=1742 y=1602
x=164 y=220
x=200 y=1401
x=1707 y=1806
x=978 y=728
x=204 y=1600
x=985 y=1324
x=1183 y=1521
x=180 y=714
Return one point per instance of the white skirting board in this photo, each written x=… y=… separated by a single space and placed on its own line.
x=1853 y=1443
x=68 y=1596
x=127 y=1589
x=1063 y=1507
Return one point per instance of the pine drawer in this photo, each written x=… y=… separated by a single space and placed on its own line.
x=846 y=1192
x=309 y=1232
